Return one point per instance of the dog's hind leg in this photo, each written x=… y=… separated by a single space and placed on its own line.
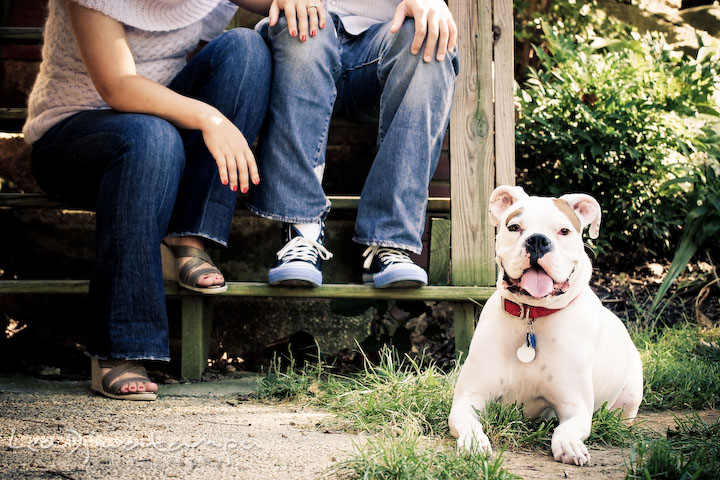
x=632 y=393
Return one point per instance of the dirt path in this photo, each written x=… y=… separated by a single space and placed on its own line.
x=59 y=430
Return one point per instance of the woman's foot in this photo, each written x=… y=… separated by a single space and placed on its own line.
x=195 y=242
x=122 y=379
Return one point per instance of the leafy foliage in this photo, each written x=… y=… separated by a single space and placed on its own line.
x=703 y=220
x=618 y=119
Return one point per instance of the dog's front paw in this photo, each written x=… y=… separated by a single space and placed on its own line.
x=474 y=441
x=570 y=450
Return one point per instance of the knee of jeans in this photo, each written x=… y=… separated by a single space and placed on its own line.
x=320 y=50
x=153 y=145
x=399 y=48
x=247 y=50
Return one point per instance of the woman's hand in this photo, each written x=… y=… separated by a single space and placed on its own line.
x=232 y=154
x=301 y=16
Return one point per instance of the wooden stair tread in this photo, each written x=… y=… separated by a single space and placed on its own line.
x=339 y=202
x=259 y=289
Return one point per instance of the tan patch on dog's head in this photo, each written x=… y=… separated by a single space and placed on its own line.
x=565 y=208
x=513 y=215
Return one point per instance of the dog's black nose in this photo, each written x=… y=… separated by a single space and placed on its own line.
x=537 y=245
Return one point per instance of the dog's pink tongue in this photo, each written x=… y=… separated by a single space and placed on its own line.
x=537 y=283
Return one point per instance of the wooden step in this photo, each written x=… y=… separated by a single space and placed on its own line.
x=339 y=202
x=258 y=289
x=21 y=35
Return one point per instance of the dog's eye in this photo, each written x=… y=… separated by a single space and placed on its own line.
x=564 y=231
x=514 y=227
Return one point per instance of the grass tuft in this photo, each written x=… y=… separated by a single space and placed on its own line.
x=505 y=426
x=610 y=430
x=396 y=393
x=287 y=381
x=691 y=451
x=409 y=457
x=679 y=372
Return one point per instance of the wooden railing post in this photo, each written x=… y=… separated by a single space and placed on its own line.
x=504 y=61
x=481 y=143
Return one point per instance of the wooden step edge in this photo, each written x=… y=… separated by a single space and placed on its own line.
x=339 y=202
x=21 y=35
x=259 y=289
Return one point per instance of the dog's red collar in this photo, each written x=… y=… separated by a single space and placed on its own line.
x=529 y=312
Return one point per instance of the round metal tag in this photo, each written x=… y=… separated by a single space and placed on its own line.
x=526 y=354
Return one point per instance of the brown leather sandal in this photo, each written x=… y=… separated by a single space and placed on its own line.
x=189 y=273
x=109 y=385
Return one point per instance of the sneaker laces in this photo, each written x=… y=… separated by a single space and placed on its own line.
x=386 y=255
x=302 y=249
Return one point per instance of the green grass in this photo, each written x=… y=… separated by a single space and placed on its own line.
x=402 y=402
x=396 y=393
x=691 y=451
x=681 y=367
x=505 y=426
x=409 y=457
x=401 y=395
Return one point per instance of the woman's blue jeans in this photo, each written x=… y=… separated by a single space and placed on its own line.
x=371 y=77
x=146 y=179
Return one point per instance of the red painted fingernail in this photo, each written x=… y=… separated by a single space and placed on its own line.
x=234 y=188
x=313 y=33
x=322 y=26
x=224 y=182
x=293 y=33
x=256 y=180
x=303 y=38
x=245 y=189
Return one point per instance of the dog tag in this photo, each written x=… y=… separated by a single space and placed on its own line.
x=526 y=354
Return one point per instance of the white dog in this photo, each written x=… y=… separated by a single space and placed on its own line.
x=543 y=339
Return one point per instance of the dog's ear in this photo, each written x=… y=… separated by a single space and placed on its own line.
x=587 y=209
x=501 y=199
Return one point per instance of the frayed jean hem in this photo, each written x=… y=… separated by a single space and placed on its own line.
x=286 y=219
x=220 y=242
x=148 y=358
x=385 y=243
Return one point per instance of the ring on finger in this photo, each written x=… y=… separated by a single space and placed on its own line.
x=311 y=6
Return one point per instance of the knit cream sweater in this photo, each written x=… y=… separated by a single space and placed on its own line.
x=160 y=33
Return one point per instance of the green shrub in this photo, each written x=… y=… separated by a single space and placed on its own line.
x=702 y=222
x=569 y=17
x=618 y=122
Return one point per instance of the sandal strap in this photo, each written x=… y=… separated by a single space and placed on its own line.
x=182 y=251
x=112 y=382
x=189 y=273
